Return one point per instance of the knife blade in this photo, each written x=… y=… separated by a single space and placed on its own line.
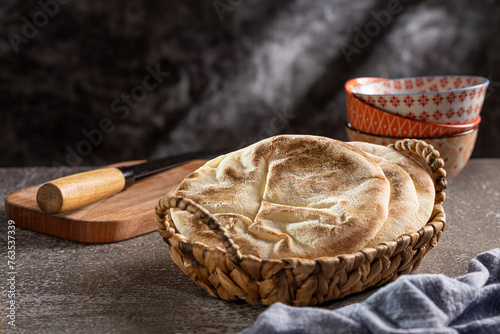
x=133 y=172
x=77 y=190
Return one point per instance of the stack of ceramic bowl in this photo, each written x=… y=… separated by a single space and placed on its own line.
x=442 y=110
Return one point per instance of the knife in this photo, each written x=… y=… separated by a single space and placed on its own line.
x=77 y=190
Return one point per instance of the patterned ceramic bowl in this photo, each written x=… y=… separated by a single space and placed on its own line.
x=369 y=119
x=440 y=99
x=455 y=150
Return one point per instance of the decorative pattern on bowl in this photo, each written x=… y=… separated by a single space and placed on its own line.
x=439 y=99
x=369 y=119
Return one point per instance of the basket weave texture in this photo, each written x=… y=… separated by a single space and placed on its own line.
x=230 y=275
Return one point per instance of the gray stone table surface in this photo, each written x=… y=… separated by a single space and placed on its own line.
x=134 y=287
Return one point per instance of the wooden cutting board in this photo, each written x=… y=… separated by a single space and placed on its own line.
x=122 y=216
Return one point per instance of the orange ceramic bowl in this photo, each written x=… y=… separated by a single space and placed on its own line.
x=455 y=150
x=372 y=120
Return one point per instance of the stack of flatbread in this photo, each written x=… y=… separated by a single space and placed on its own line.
x=307 y=196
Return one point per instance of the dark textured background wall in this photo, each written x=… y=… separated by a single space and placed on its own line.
x=94 y=82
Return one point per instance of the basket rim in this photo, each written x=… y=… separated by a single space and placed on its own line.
x=438 y=216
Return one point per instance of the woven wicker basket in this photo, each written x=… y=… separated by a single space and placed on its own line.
x=229 y=275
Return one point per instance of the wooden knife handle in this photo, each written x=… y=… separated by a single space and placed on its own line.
x=74 y=191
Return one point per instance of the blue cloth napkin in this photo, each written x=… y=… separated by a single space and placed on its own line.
x=413 y=304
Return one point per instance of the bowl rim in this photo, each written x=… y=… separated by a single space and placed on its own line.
x=468 y=132
x=486 y=82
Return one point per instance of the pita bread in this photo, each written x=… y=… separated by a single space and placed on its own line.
x=406 y=213
x=289 y=196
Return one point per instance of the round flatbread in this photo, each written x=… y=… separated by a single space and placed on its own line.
x=407 y=213
x=289 y=196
